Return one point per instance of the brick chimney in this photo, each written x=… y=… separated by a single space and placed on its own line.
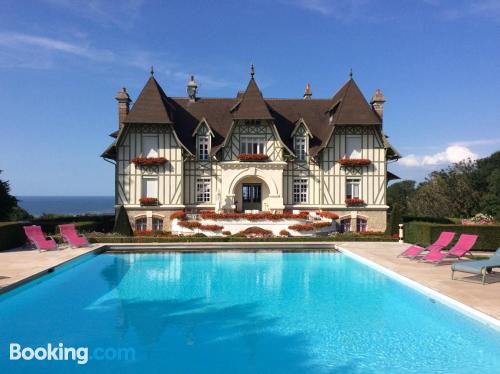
x=123 y=105
x=377 y=103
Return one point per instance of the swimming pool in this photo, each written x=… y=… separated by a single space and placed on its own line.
x=240 y=312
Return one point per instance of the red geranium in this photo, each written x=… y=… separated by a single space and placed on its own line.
x=149 y=161
x=189 y=224
x=148 y=200
x=329 y=215
x=178 y=215
x=253 y=157
x=306 y=227
x=354 y=201
x=211 y=227
x=354 y=162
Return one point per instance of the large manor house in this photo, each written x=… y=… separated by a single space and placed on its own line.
x=250 y=153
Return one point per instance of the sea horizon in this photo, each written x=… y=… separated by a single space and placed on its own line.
x=38 y=205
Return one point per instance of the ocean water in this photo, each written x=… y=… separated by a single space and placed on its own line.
x=38 y=205
x=239 y=313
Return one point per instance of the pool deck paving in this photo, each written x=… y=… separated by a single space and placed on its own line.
x=21 y=265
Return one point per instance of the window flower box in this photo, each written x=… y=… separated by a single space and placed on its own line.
x=149 y=161
x=354 y=201
x=148 y=201
x=354 y=162
x=253 y=157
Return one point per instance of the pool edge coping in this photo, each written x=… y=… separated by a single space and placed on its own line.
x=450 y=302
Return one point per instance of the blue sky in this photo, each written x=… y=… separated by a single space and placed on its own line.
x=63 y=61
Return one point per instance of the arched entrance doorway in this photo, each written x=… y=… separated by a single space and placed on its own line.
x=251 y=194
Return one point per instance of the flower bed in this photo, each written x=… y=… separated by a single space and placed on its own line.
x=178 y=215
x=354 y=201
x=256 y=231
x=211 y=227
x=149 y=161
x=306 y=227
x=189 y=224
x=329 y=215
x=148 y=201
x=354 y=162
x=285 y=233
x=208 y=214
x=253 y=157
x=320 y=225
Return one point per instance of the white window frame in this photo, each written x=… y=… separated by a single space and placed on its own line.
x=260 y=141
x=300 y=190
x=300 y=146
x=145 y=190
x=150 y=145
x=203 y=147
x=351 y=149
x=157 y=227
x=203 y=190
x=351 y=182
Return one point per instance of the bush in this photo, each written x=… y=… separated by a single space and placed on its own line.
x=395 y=219
x=320 y=225
x=226 y=232
x=11 y=235
x=257 y=231
x=407 y=219
x=122 y=223
x=426 y=233
x=103 y=223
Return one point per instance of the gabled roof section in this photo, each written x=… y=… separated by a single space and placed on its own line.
x=203 y=122
x=301 y=123
x=252 y=105
x=352 y=107
x=150 y=106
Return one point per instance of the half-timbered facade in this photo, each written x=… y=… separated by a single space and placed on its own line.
x=249 y=153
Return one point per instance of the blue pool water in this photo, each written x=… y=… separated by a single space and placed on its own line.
x=240 y=313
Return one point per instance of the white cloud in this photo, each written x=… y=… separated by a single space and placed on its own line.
x=452 y=154
x=468 y=143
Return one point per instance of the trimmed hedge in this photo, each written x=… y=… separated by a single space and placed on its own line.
x=190 y=239
x=442 y=220
x=11 y=235
x=102 y=223
x=426 y=233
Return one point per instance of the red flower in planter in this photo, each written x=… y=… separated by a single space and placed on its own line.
x=148 y=200
x=354 y=201
x=354 y=162
x=178 y=215
x=190 y=224
x=320 y=225
x=329 y=215
x=306 y=227
x=149 y=161
x=253 y=157
x=211 y=227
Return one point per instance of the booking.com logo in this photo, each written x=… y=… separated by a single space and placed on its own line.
x=59 y=352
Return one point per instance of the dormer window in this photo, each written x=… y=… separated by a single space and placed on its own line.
x=203 y=147
x=301 y=147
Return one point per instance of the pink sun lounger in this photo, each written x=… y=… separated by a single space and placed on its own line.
x=444 y=240
x=37 y=238
x=71 y=236
x=461 y=248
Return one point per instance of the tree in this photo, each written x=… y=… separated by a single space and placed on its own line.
x=122 y=224
x=490 y=203
x=400 y=193
x=395 y=220
x=7 y=201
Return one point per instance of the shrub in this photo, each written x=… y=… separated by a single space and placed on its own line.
x=426 y=233
x=320 y=225
x=102 y=223
x=189 y=224
x=152 y=233
x=257 y=231
x=178 y=215
x=11 y=235
x=479 y=219
x=407 y=219
x=284 y=233
x=211 y=227
x=326 y=214
x=199 y=235
x=226 y=233
x=122 y=223
x=395 y=220
x=306 y=227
